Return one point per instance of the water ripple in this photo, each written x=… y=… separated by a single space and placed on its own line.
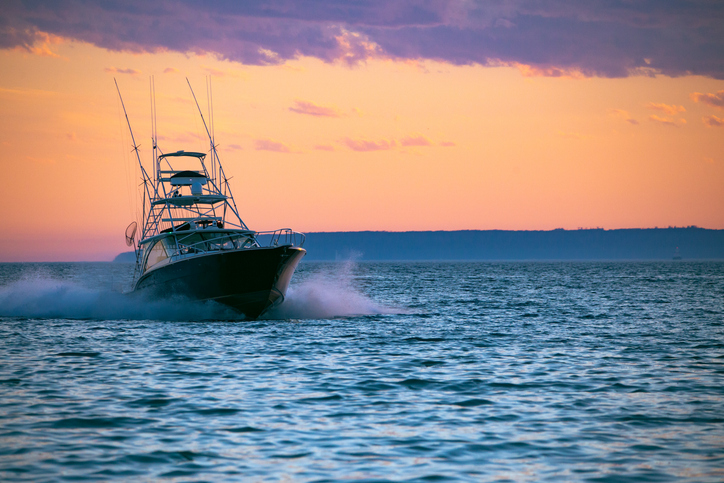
x=426 y=372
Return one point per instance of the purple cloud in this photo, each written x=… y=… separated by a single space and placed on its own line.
x=269 y=145
x=415 y=141
x=115 y=70
x=303 y=107
x=361 y=145
x=606 y=38
x=714 y=100
x=620 y=113
x=713 y=121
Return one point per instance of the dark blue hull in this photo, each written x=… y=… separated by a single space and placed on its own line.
x=249 y=280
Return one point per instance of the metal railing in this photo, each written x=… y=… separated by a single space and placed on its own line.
x=282 y=236
x=224 y=242
x=188 y=244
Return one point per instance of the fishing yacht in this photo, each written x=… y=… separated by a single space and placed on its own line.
x=193 y=243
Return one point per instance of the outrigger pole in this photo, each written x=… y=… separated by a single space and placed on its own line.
x=215 y=160
x=146 y=179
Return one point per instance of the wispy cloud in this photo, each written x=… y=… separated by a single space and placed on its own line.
x=234 y=147
x=549 y=71
x=415 y=141
x=324 y=147
x=670 y=110
x=666 y=121
x=269 y=145
x=714 y=100
x=713 y=121
x=622 y=114
x=355 y=48
x=170 y=70
x=447 y=144
x=304 y=107
x=116 y=70
x=362 y=145
x=38 y=43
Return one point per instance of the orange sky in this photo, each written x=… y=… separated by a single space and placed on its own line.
x=383 y=145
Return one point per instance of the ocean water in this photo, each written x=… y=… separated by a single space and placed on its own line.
x=370 y=372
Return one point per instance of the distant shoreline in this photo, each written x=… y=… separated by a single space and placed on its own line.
x=507 y=245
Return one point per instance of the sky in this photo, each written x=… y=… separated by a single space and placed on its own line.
x=333 y=115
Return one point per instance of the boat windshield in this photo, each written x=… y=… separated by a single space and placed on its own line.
x=161 y=252
x=182 y=244
x=196 y=242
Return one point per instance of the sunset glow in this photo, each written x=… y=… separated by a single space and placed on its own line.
x=360 y=138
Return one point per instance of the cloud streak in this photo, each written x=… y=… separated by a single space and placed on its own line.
x=269 y=145
x=622 y=114
x=606 y=38
x=665 y=108
x=415 y=141
x=308 y=108
x=666 y=121
x=116 y=70
x=714 y=100
x=364 y=145
x=713 y=121
x=361 y=145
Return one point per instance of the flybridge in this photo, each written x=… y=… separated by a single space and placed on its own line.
x=181 y=196
x=175 y=195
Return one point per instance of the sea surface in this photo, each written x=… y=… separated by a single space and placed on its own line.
x=426 y=372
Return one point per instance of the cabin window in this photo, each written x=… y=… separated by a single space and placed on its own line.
x=156 y=255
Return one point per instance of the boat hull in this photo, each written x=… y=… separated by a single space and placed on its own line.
x=250 y=281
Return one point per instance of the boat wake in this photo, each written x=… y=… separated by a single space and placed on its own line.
x=48 y=298
x=325 y=295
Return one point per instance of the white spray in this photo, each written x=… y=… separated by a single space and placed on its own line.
x=327 y=294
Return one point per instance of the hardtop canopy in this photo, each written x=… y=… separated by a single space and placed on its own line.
x=183 y=153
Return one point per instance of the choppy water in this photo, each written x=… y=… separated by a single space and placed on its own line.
x=372 y=372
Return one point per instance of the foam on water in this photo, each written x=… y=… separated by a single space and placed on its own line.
x=40 y=296
x=322 y=295
x=328 y=294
